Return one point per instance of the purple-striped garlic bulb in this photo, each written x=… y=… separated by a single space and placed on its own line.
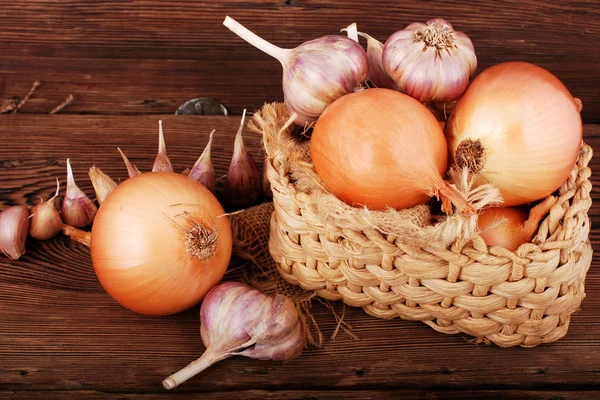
x=238 y=320
x=316 y=73
x=430 y=62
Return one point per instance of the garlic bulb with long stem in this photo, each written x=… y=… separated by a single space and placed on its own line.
x=430 y=62
x=77 y=208
x=238 y=320
x=45 y=219
x=315 y=73
x=162 y=163
x=243 y=185
x=14 y=225
x=203 y=171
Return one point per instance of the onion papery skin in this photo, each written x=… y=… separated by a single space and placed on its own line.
x=521 y=130
x=379 y=148
x=139 y=249
x=503 y=226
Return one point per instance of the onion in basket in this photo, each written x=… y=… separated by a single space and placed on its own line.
x=380 y=148
x=517 y=126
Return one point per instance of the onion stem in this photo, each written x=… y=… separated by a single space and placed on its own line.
x=78 y=235
x=450 y=195
x=255 y=40
x=536 y=214
x=195 y=367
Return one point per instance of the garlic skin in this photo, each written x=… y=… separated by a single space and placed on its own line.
x=132 y=170
x=316 y=73
x=431 y=61
x=103 y=184
x=162 y=163
x=377 y=73
x=77 y=209
x=203 y=171
x=14 y=225
x=45 y=220
x=243 y=185
x=238 y=320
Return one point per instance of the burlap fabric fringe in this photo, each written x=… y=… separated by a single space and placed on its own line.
x=419 y=266
x=250 y=229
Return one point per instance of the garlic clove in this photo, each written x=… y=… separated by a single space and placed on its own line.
x=203 y=171
x=77 y=209
x=430 y=62
x=103 y=184
x=243 y=183
x=132 y=170
x=238 y=320
x=14 y=225
x=377 y=74
x=162 y=163
x=45 y=220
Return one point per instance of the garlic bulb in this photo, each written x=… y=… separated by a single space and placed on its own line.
x=132 y=170
x=315 y=73
x=162 y=163
x=103 y=184
x=45 y=219
x=14 y=225
x=238 y=320
x=431 y=61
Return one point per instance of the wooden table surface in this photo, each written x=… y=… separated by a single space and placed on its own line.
x=62 y=336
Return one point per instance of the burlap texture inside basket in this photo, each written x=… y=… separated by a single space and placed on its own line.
x=411 y=264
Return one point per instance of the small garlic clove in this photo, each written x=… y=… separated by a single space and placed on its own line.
x=238 y=320
x=132 y=170
x=45 y=220
x=14 y=225
x=162 y=163
x=203 y=171
x=103 y=184
x=377 y=74
x=77 y=209
x=243 y=183
x=430 y=62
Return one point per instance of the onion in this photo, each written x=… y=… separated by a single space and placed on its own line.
x=510 y=227
x=519 y=127
x=160 y=242
x=381 y=148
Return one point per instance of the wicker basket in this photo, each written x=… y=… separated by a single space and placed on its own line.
x=508 y=298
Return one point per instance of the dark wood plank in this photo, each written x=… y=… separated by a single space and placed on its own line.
x=59 y=331
x=316 y=395
x=150 y=56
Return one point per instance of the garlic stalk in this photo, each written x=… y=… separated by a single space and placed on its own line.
x=103 y=184
x=77 y=209
x=162 y=162
x=45 y=220
x=132 y=170
x=14 y=225
x=316 y=73
x=243 y=183
x=238 y=320
x=430 y=62
x=203 y=171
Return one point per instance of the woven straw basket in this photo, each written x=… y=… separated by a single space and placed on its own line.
x=508 y=298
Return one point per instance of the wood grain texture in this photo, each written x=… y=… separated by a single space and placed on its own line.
x=61 y=335
x=315 y=395
x=130 y=57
